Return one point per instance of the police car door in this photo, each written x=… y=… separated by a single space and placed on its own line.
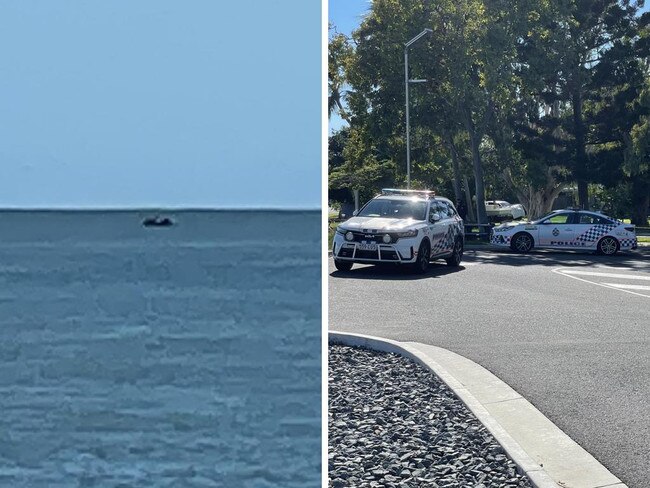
x=439 y=224
x=557 y=230
x=589 y=227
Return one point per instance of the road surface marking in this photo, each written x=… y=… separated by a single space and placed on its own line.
x=569 y=273
x=628 y=287
x=606 y=275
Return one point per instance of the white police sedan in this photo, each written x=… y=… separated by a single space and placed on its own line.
x=567 y=229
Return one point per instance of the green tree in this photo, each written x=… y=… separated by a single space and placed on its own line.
x=637 y=161
x=469 y=64
x=360 y=166
x=339 y=51
x=479 y=81
x=539 y=94
x=584 y=55
x=562 y=130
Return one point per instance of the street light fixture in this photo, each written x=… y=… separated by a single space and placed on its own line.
x=406 y=83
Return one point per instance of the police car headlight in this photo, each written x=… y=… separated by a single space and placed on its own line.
x=387 y=238
x=349 y=236
x=500 y=229
x=409 y=233
x=340 y=230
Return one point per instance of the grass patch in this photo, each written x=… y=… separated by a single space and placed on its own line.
x=331 y=230
x=644 y=239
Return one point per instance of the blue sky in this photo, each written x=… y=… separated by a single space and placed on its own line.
x=160 y=103
x=346 y=15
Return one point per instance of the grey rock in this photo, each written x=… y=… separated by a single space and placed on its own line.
x=395 y=424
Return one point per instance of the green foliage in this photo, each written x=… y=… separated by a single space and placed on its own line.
x=637 y=153
x=583 y=59
x=361 y=168
x=637 y=159
x=339 y=53
x=535 y=94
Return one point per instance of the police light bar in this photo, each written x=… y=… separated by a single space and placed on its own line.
x=397 y=191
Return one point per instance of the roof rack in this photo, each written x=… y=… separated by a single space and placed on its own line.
x=419 y=193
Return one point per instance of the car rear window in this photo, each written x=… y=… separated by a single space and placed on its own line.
x=594 y=219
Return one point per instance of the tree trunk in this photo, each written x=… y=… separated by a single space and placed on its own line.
x=468 y=201
x=537 y=201
x=475 y=141
x=583 y=195
x=456 y=169
x=640 y=201
x=580 y=170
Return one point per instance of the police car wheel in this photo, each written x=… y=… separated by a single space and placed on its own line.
x=457 y=254
x=607 y=246
x=522 y=242
x=342 y=265
x=422 y=262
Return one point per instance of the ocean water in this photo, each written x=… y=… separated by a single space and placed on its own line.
x=161 y=357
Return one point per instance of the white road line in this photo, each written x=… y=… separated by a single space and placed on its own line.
x=614 y=268
x=628 y=287
x=606 y=275
x=562 y=272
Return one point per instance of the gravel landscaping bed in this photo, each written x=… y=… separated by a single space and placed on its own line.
x=392 y=423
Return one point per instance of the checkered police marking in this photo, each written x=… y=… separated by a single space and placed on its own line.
x=500 y=239
x=595 y=232
x=628 y=242
x=446 y=242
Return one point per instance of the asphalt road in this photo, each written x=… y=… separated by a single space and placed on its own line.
x=567 y=330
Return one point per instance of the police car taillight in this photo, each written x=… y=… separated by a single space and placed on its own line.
x=629 y=229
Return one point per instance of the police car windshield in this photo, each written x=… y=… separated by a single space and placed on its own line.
x=395 y=209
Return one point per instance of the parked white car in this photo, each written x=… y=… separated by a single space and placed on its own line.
x=567 y=229
x=402 y=227
x=502 y=210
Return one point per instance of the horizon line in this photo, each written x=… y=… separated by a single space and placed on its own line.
x=161 y=209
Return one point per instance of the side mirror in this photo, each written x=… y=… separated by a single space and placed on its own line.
x=435 y=217
x=354 y=214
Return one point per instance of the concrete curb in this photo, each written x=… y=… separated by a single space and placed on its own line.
x=542 y=451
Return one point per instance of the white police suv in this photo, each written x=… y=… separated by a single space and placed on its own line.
x=567 y=229
x=401 y=227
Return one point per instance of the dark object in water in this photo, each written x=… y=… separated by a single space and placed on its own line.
x=157 y=221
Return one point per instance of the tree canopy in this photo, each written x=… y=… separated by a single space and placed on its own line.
x=524 y=98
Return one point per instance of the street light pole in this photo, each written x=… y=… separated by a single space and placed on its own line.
x=406 y=84
x=408 y=127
